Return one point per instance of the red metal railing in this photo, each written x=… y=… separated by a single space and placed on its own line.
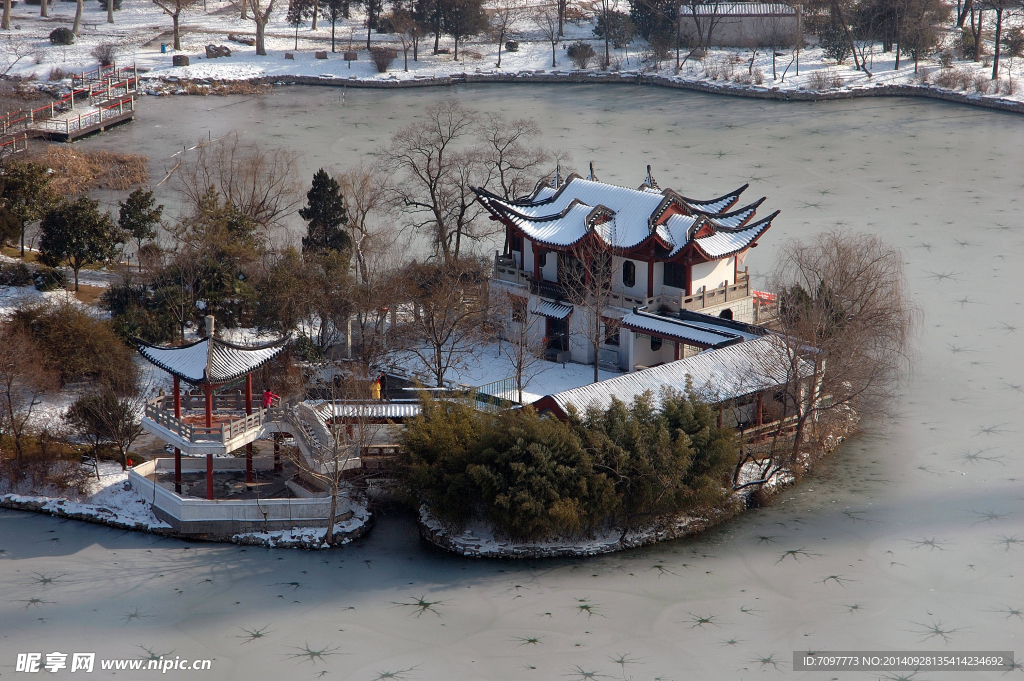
x=109 y=83
x=90 y=119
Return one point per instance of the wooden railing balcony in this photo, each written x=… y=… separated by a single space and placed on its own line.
x=161 y=412
x=717 y=296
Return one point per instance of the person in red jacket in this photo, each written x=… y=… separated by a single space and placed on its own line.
x=268 y=399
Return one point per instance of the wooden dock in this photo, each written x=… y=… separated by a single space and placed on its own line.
x=98 y=100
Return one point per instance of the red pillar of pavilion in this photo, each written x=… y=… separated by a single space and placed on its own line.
x=177 y=452
x=208 y=391
x=248 y=410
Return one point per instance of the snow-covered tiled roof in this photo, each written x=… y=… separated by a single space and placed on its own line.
x=716 y=375
x=556 y=310
x=724 y=243
x=739 y=9
x=623 y=218
x=366 y=410
x=200 y=363
x=704 y=335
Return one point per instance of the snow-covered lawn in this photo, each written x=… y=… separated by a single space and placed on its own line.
x=489 y=365
x=140 y=29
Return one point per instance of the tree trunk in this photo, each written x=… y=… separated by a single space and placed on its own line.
x=501 y=39
x=261 y=47
x=316 y=11
x=6 y=24
x=79 y=7
x=561 y=16
x=553 y=54
x=75 y=270
x=329 y=536
x=245 y=10
x=961 y=15
x=177 y=33
x=110 y=11
x=367 y=29
x=405 y=55
x=44 y=8
x=333 y=22
x=23 y=241
x=999 y=30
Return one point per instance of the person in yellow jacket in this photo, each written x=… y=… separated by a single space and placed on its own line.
x=375 y=389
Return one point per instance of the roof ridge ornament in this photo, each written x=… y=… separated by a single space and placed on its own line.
x=210 y=322
x=651 y=182
x=591 y=176
x=558 y=173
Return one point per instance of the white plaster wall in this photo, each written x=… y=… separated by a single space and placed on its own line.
x=643 y=355
x=550 y=270
x=639 y=287
x=713 y=274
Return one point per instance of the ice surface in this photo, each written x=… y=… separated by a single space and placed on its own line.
x=912 y=539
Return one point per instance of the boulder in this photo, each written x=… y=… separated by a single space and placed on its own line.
x=321 y=55
x=179 y=60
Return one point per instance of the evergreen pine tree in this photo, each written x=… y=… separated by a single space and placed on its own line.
x=325 y=215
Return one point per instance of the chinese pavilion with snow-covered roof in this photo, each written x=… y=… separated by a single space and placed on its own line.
x=208 y=424
x=665 y=256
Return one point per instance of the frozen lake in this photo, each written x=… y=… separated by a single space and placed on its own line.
x=913 y=537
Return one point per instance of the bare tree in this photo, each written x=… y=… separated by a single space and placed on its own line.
x=261 y=11
x=408 y=31
x=447 y=318
x=348 y=427
x=79 y=9
x=586 y=276
x=547 y=20
x=24 y=380
x=846 y=322
x=258 y=181
x=14 y=50
x=173 y=9
x=514 y=164
x=1000 y=7
x=504 y=16
x=439 y=168
x=518 y=331
x=366 y=190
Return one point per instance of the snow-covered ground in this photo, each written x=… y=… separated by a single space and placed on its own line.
x=489 y=365
x=141 y=28
x=107 y=499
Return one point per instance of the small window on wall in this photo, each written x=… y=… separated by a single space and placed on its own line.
x=655 y=344
x=629 y=273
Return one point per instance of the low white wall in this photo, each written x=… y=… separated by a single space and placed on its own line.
x=228 y=515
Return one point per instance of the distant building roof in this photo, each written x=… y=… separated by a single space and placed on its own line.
x=622 y=218
x=739 y=9
x=716 y=375
x=199 y=362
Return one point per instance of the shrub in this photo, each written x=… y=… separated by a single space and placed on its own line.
x=531 y=477
x=824 y=79
x=834 y=43
x=137 y=312
x=15 y=274
x=62 y=36
x=49 y=279
x=512 y=46
x=581 y=54
x=1008 y=87
x=981 y=84
x=77 y=346
x=758 y=76
x=946 y=58
x=57 y=73
x=382 y=58
x=105 y=53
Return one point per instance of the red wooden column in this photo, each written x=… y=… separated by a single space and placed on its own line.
x=248 y=410
x=650 y=278
x=677 y=350
x=177 y=452
x=209 y=424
